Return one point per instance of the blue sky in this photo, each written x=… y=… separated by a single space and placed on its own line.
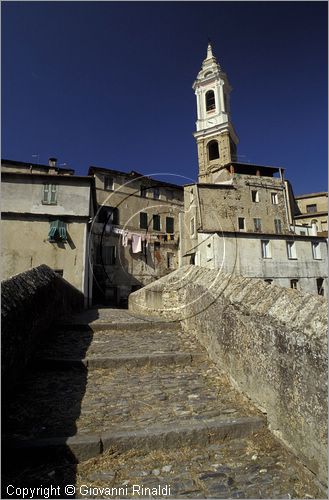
x=109 y=83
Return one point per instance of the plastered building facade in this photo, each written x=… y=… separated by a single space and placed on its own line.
x=46 y=215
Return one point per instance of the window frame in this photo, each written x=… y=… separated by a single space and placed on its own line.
x=294 y=283
x=311 y=211
x=210 y=147
x=274 y=198
x=278 y=226
x=143 y=191
x=266 y=249
x=52 y=194
x=258 y=225
x=291 y=250
x=156 y=217
x=316 y=250
x=210 y=100
x=106 y=187
x=244 y=223
x=256 y=193
x=173 y=225
x=143 y=225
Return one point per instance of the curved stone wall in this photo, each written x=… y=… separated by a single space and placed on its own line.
x=272 y=342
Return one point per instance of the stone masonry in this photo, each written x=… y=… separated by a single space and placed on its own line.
x=271 y=341
x=114 y=401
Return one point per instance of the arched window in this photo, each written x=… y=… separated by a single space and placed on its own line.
x=213 y=150
x=210 y=100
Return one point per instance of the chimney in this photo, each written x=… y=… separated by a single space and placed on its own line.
x=52 y=162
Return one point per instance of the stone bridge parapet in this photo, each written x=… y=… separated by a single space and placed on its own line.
x=271 y=341
x=31 y=302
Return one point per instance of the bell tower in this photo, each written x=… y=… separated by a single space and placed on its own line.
x=215 y=135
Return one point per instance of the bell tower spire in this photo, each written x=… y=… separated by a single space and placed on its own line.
x=215 y=135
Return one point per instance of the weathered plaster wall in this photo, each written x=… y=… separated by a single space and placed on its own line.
x=25 y=245
x=242 y=255
x=271 y=341
x=30 y=303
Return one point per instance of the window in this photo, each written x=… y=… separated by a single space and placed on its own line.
x=143 y=220
x=144 y=248
x=274 y=198
x=258 y=225
x=169 y=225
x=156 y=222
x=143 y=191
x=268 y=281
x=291 y=250
x=255 y=196
x=108 y=215
x=213 y=150
x=266 y=249
x=170 y=260
x=59 y=272
x=192 y=226
x=57 y=231
x=156 y=193
x=210 y=100
x=49 y=194
x=294 y=284
x=157 y=246
x=209 y=252
x=108 y=183
x=316 y=251
x=319 y=286
x=241 y=223
x=310 y=209
x=106 y=255
x=278 y=226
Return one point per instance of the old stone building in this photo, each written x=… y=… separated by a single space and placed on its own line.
x=135 y=232
x=312 y=209
x=238 y=217
x=46 y=212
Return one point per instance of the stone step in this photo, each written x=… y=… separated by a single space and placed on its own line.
x=251 y=466
x=131 y=327
x=177 y=434
x=109 y=343
x=69 y=402
x=94 y=363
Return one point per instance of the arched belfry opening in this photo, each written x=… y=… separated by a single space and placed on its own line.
x=210 y=100
x=213 y=150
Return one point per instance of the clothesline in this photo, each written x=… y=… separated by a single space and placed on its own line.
x=137 y=238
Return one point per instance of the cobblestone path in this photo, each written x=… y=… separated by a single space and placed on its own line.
x=138 y=404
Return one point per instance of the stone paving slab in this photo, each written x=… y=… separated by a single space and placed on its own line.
x=65 y=403
x=252 y=467
x=109 y=315
x=256 y=466
x=109 y=343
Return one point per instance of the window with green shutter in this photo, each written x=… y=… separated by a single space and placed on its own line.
x=57 y=231
x=169 y=225
x=49 y=194
x=143 y=224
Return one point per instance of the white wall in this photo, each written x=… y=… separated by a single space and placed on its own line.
x=243 y=256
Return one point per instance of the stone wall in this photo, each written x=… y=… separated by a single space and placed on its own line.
x=31 y=302
x=271 y=341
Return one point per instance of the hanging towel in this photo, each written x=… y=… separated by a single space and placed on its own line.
x=136 y=243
